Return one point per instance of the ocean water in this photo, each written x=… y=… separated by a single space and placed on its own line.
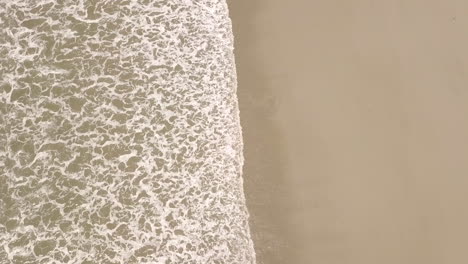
x=120 y=139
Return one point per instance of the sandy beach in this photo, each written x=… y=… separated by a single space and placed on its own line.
x=355 y=127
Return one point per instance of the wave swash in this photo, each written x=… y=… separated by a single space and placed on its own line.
x=120 y=139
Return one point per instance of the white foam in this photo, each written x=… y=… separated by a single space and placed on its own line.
x=144 y=166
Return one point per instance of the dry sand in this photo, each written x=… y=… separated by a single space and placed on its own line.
x=355 y=126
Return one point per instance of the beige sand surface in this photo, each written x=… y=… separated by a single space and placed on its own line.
x=355 y=120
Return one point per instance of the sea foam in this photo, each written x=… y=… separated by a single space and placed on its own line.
x=120 y=139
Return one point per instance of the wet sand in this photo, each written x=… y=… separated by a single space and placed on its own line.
x=354 y=116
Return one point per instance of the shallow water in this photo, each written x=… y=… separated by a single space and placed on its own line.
x=120 y=137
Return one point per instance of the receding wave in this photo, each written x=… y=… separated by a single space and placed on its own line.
x=119 y=133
